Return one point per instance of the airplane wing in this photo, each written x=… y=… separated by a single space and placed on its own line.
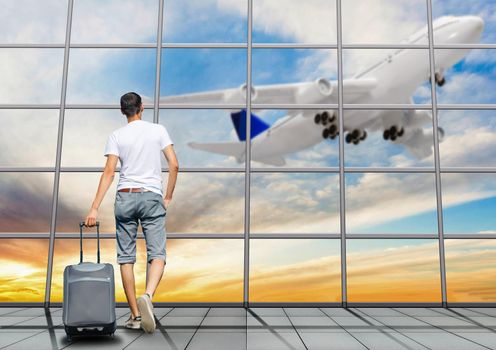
x=235 y=149
x=321 y=90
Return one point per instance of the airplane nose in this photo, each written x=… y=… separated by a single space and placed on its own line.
x=476 y=23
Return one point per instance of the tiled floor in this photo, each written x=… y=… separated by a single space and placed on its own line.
x=266 y=328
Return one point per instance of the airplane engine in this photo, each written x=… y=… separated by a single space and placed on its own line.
x=313 y=91
x=242 y=91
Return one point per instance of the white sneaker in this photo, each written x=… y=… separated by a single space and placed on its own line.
x=133 y=323
x=145 y=307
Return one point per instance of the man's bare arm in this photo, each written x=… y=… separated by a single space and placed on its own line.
x=106 y=180
x=170 y=155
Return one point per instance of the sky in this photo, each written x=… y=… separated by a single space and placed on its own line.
x=214 y=203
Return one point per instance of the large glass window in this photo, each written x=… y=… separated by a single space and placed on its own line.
x=410 y=178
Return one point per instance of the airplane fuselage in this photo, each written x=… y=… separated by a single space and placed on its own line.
x=399 y=74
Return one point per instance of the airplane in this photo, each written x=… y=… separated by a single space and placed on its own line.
x=393 y=80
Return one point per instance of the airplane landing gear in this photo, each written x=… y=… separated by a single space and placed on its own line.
x=356 y=136
x=325 y=118
x=393 y=133
x=439 y=79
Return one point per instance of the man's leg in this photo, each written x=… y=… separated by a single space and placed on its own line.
x=152 y=217
x=127 y=274
x=127 y=230
x=154 y=275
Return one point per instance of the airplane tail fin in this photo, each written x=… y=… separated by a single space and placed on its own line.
x=235 y=149
x=257 y=125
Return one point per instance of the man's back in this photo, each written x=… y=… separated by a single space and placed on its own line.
x=138 y=146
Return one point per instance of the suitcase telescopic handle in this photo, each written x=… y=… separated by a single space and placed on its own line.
x=81 y=224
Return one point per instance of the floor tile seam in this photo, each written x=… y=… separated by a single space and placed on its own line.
x=352 y=335
x=455 y=334
x=196 y=330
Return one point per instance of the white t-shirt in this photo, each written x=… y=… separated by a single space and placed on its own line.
x=139 y=145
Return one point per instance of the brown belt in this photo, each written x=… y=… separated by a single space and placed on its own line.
x=133 y=190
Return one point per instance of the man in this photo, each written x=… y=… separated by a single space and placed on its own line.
x=139 y=197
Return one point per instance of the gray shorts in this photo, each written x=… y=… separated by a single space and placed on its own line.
x=147 y=208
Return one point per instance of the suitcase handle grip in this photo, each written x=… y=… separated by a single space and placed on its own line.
x=81 y=224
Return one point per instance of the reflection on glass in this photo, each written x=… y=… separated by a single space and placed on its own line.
x=207 y=203
x=28 y=137
x=80 y=125
x=209 y=270
x=26 y=202
x=125 y=21
x=391 y=203
x=294 y=203
x=466 y=20
x=393 y=271
x=22 y=273
x=383 y=21
x=212 y=76
x=470 y=270
x=388 y=138
x=204 y=137
x=295 y=270
x=471 y=80
x=104 y=75
x=288 y=21
x=399 y=76
x=31 y=75
x=205 y=21
x=470 y=138
x=302 y=76
x=469 y=203
x=293 y=138
x=33 y=21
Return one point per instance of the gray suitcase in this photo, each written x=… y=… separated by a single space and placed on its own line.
x=89 y=295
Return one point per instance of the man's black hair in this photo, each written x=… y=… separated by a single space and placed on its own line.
x=130 y=104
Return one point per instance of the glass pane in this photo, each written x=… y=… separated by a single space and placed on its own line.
x=470 y=270
x=303 y=76
x=28 y=137
x=80 y=125
x=391 y=203
x=31 y=75
x=205 y=21
x=206 y=270
x=33 y=21
x=204 y=137
x=26 y=202
x=369 y=138
x=294 y=203
x=126 y=21
x=468 y=77
x=293 y=138
x=460 y=22
x=393 y=270
x=202 y=203
x=193 y=72
x=469 y=203
x=207 y=203
x=22 y=273
x=386 y=76
x=203 y=270
x=384 y=21
x=289 y=21
x=104 y=75
x=295 y=270
x=76 y=194
x=470 y=138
